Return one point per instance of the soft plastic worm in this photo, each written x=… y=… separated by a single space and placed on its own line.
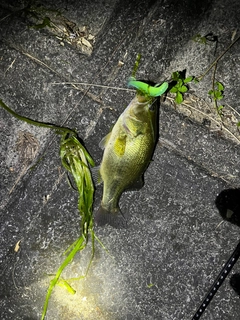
x=145 y=88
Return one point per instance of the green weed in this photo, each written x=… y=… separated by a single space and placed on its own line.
x=179 y=85
x=200 y=39
x=216 y=93
x=210 y=37
x=76 y=160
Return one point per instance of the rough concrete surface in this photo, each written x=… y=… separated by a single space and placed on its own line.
x=163 y=264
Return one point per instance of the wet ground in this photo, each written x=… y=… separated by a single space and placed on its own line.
x=163 y=264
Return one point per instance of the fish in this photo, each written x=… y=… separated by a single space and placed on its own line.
x=128 y=150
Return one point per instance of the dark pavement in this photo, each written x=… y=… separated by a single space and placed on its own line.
x=163 y=264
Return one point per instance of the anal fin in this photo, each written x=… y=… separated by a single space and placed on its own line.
x=114 y=219
x=136 y=185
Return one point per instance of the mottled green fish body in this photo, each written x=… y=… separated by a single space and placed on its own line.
x=128 y=150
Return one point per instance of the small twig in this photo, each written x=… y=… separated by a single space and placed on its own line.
x=217 y=59
x=94 y=85
x=234 y=110
x=213 y=87
x=219 y=224
x=10 y=66
x=38 y=61
x=209 y=117
x=22 y=173
x=8 y=15
x=13 y=273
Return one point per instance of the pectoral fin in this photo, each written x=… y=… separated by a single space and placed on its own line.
x=105 y=140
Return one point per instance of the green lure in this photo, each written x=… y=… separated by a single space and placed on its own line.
x=145 y=88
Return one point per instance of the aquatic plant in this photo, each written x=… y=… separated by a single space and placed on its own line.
x=76 y=160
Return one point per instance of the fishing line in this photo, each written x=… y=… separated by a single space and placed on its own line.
x=218 y=282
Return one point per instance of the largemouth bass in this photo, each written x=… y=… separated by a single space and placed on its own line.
x=128 y=150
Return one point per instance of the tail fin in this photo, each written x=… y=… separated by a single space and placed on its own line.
x=114 y=219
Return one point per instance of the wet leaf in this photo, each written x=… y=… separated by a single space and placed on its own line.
x=179 y=97
x=188 y=79
x=86 y=43
x=183 y=89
